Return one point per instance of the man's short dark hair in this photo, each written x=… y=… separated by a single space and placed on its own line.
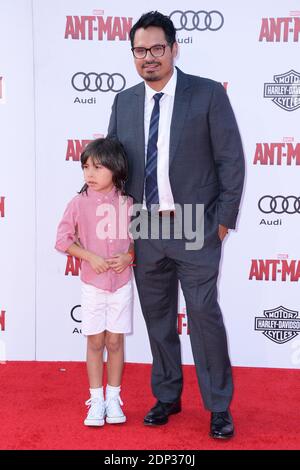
x=155 y=18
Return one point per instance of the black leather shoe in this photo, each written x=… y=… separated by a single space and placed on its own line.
x=160 y=413
x=221 y=425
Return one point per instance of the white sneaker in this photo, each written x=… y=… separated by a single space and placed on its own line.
x=113 y=410
x=96 y=413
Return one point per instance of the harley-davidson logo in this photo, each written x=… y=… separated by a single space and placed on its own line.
x=279 y=324
x=285 y=90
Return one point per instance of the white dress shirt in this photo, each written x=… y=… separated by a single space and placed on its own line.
x=166 y=200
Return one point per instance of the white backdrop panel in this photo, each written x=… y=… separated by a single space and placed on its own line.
x=233 y=55
x=259 y=267
x=17 y=183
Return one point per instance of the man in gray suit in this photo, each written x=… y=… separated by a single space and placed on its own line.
x=183 y=147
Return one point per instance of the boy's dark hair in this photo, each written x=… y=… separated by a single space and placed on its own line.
x=155 y=18
x=111 y=154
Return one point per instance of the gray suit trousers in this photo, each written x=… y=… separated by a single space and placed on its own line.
x=160 y=263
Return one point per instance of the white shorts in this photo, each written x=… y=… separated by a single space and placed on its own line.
x=103 y=310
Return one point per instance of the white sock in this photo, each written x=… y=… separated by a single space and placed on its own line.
x=110 y=390
x=97 y=393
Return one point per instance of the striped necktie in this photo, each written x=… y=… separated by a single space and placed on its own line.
x=151 y=188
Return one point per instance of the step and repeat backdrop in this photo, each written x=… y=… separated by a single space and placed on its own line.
x=61 y=65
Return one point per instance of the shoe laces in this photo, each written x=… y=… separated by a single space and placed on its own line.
x=114 y=402
x=96 y=405
x=220 y=417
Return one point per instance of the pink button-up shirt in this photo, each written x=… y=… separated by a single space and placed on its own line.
x=100 y=222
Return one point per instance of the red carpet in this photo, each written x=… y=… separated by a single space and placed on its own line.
x=42 y=407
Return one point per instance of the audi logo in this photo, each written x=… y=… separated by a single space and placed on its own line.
x=279 y=204
x=73 y=313
x=201 y=20
x=98 y=82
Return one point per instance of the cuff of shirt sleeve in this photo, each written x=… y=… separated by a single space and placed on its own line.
x=63 y=245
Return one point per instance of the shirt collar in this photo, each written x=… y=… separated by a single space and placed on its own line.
x=169 y=88
x=103 y=197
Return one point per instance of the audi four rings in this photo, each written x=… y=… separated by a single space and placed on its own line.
x=98 y=82
x=279 y=204
x=201 y=20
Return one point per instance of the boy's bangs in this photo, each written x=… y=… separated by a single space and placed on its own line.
x=94 y=156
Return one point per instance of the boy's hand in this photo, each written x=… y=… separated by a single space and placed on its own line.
x=119 y=262
x=99 y=265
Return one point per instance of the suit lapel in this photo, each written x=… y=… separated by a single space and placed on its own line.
x=181 y=106
x=139 y=124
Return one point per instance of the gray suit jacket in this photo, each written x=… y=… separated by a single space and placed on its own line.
x=206 y=155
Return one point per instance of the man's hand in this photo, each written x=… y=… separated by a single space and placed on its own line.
x=119 y=262
x=222 y=232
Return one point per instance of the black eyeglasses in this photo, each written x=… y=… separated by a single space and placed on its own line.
x=156 y=51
